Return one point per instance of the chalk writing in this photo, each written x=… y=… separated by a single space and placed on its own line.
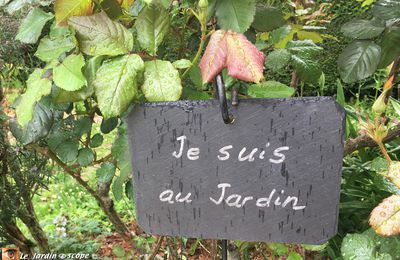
x=273 y=175
x=193 y=154
x=236 y=200
x=168 y=196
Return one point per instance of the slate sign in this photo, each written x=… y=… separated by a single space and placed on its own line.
x=272 y=175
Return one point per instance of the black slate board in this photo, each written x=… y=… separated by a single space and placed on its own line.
x=312 y=128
